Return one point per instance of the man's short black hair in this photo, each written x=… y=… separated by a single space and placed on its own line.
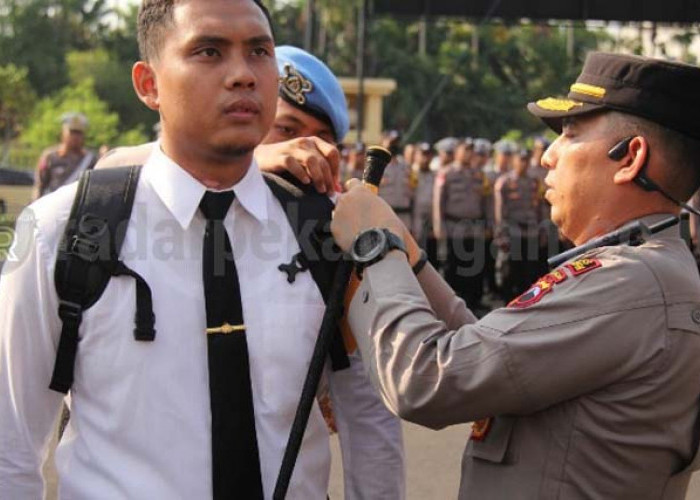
x=157 y=15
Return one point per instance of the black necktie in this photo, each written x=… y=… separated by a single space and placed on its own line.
x=235 y=459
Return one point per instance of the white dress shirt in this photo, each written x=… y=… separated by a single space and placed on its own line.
x=140 y=422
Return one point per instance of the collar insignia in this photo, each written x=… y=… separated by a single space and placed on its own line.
x=582 y=266
x=294 y=85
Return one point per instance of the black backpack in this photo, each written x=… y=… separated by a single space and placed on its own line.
x=88 y=255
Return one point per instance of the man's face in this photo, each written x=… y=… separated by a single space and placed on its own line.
x=291 y=122
x=216 y=78
x=520 y=164
x=73 y=139
x=578 y=181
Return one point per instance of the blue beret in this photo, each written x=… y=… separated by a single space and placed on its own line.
x=308 y=84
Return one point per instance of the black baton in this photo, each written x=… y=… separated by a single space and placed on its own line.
x=376 y=160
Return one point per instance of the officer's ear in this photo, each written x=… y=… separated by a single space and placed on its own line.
x=631 y=162
x=145 y=84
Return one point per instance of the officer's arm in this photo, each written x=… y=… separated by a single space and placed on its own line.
x=553 y=346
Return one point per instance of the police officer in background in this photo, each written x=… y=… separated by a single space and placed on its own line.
x=422 y=227
x=396 y=186
x=461 y=217
x=62 y=164
x=356 y=162
x=586 y=386
x=445 y=148
x=517 y=207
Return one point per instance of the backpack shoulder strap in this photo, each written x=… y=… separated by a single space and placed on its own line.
x=88 y=256
x=309 y=214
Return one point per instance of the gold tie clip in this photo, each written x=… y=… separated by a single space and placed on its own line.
x=225 y=329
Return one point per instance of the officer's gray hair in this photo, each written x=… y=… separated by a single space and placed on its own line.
x=680 y=153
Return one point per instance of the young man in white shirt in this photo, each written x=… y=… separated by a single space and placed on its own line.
x=140 y=424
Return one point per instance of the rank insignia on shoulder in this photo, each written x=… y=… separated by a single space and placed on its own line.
x=481 y=428
x=583 y=266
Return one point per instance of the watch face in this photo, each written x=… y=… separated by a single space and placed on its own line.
x=369 y=244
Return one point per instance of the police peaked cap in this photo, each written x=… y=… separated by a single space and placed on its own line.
x=661 y=91
x=308 y=84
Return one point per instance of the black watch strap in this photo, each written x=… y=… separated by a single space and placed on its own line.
x=392 y=242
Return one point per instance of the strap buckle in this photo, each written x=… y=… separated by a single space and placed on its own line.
x=70 y=311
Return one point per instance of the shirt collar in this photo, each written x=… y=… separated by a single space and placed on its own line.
x=181 y=193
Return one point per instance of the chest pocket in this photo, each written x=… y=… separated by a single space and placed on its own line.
x=495 y=447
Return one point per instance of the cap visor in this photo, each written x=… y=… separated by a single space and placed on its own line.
x=552 y=111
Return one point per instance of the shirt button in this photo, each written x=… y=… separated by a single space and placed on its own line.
x=696 y=315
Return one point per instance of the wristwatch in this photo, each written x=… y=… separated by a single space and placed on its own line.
x=372 y=245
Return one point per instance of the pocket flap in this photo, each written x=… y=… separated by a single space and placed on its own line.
x=494 y=444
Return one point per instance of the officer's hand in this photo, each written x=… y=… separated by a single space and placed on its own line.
x=360 y=209
x=309 y=159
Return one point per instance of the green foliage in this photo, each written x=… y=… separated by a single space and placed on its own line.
x=44 y=126
x=112 y=84
x=16 y=99
x=36 y=34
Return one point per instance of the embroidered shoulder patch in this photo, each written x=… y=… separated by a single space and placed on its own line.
x=533 y=294
x=542 y=287
x=583 y=266
x=480 y=429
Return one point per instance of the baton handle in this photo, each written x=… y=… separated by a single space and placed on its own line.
x=376 y=160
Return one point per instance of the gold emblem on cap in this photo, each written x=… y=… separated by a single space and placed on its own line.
x=586 y=89
x=294 y=85
x=552 y=104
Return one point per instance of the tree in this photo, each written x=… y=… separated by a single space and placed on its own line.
x=44 y=126
x=36 y=34
x=112 y=79
x=16 y=102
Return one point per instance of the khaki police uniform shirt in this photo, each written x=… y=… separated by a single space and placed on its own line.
x=517 y=203
x=56 y=169
x=423 y=204
x=396 y=189
x=461 y=202
x=589 y=381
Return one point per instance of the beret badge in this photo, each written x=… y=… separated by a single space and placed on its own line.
x=294 y=85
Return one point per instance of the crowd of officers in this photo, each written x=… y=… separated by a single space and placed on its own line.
x=476 y=208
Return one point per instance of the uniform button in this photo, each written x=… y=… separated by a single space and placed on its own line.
x=696 y=315
x=365 y=299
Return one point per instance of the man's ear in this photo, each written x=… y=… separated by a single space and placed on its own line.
x=145 y=84
x=631 y=164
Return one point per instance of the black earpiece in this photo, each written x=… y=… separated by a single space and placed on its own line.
x=619 y=150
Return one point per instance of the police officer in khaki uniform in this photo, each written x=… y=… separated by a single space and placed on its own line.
x=460 y=217
x=396 y=187
x=587 y=385
x=62 y=164
x=422 y=224
x=517 y=208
